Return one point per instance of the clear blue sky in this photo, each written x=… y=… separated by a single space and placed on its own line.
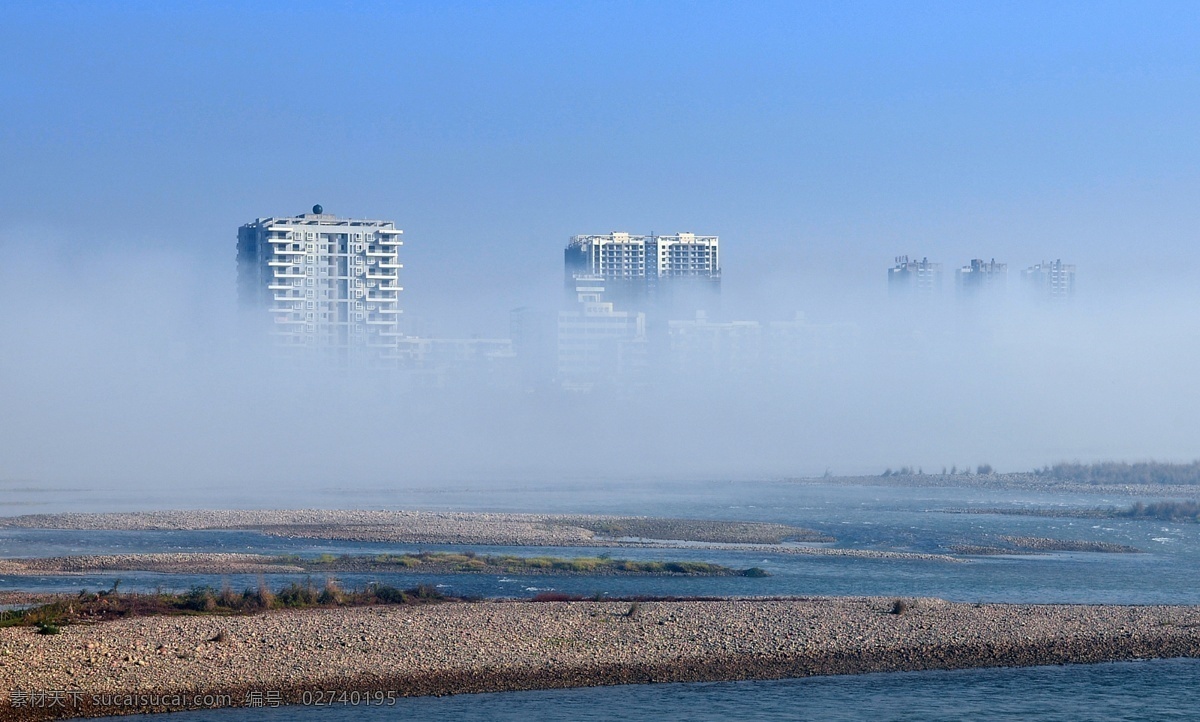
x=818 y=139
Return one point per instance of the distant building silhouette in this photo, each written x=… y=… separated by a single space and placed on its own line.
x=914 y=278
x=700 y=347
x=598 y=344
x=981 y=276
x=1052 y=281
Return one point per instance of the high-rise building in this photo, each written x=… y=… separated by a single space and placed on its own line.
x=327 y=284
x=640 y=272
x=1050 y=281
x=981 y=277
x=914 y=278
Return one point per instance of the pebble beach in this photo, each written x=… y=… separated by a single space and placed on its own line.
x=371 y=654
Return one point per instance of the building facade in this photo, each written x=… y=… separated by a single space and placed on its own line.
x=640 y=272
x=1053 y=281
x=914 y=278
x=980 y=276
x=327 y=285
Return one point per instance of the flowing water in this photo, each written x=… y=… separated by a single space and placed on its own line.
x=867 y=518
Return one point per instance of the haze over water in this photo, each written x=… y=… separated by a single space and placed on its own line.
x=819 y=141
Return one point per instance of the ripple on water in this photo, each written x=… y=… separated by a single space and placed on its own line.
x=1144 y=691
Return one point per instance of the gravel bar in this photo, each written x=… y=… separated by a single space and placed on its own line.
x=159 y=664
x=430 y=527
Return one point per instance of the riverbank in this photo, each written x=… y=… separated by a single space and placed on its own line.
x=1017 y=481
x=161 y=664
x=431 y=527
x=412 y=563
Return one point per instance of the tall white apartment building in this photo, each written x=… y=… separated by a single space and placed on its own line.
x=1053 y=281
x=641 y=271
x=325 y=283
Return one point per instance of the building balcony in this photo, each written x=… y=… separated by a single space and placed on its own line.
x=384 y=276
x=288 y=275
x=280 y=286
x=281 y=263
x=391 y=265
x=390 y=310
x=381 y=254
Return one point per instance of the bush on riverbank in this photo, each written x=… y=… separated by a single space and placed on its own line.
x=105 y=606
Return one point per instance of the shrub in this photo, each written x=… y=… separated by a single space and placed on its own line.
x=332 y=594
x=295 y=595
x=47 y=628
x=900 y=606
x=200 y=599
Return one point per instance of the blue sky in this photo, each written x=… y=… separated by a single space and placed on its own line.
x=818 y=139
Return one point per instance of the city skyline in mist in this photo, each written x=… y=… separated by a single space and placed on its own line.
x=819 y=141
x=824 y=139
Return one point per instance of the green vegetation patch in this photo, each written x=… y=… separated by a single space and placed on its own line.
x=111 y=604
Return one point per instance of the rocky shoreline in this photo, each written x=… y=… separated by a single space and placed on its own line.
x=163 y=664
x=432 y=527
x=424 y=563
x=478 y=529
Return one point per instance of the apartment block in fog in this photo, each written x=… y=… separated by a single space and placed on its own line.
x=914 y=278
x=597 y=344
x=1050 y=281
x=328 y=284
x=648 y=271
x=700 y=347
x=980 y=277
